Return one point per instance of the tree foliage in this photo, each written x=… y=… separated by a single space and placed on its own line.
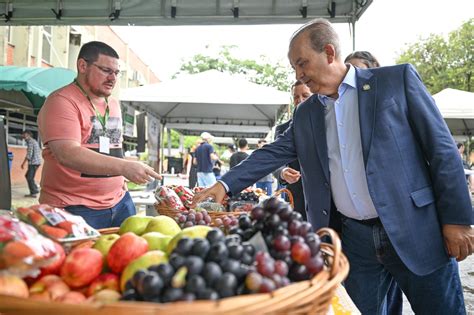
x=444 y=62
x=261 y=72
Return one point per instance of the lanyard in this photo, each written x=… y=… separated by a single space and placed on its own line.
x=102 y=119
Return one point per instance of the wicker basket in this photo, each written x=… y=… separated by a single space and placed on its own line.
x=288 y=192
x=305 y=297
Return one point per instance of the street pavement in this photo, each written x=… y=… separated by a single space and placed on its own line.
x=466 y=267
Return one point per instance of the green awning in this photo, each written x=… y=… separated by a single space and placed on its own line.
x=29 y=87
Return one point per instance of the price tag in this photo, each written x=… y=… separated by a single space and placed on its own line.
x=104 y=144
x=52 y=217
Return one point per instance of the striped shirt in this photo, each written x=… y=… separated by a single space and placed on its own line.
x=33 y=152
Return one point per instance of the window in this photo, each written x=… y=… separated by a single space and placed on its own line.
x=16 y=123
x=47 y=38
x=9 y=31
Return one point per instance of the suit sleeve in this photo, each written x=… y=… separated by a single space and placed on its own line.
x=445 y=165
x=262 y=162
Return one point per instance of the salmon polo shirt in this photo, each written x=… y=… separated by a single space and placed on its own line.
x=67 y=114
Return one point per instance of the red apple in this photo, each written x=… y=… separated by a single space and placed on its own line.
x=53 y=285
x=55 y=266
x=81 y=266
x=127 y=248
x=72 y=297
x=104 y=281
x=13 y=286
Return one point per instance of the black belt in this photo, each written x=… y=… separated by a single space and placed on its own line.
x=371 y=222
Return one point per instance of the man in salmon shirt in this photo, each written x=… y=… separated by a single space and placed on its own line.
x=81 y=128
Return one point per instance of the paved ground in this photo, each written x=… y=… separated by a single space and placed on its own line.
x=466 y=267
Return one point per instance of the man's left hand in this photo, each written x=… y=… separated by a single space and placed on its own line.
x=459 y=240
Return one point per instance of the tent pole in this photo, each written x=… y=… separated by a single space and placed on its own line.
x=353 y=36
x=161 y=150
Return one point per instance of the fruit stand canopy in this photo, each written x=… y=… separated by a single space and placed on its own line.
x=177 y=12
x=457 y=109
x=22 y=87
x=222 y=104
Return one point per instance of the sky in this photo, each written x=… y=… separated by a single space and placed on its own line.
x=384 y=29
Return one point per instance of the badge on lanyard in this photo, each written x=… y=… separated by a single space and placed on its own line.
x=104 y=145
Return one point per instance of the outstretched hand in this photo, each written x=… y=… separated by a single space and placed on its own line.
x=459 y=240
x=216 y=192
x=139 y=173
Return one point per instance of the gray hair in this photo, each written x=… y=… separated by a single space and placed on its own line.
x=321 y=33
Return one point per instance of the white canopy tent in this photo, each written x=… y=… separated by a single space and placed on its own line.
x=224 y=105
x=174 y=12
x=457 y=108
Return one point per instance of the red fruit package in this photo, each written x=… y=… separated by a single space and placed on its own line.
x=167 y=197
x=185 y=194
x=22 y=249
x=57 y=223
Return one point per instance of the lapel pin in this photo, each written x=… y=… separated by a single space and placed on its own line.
x=366 y=87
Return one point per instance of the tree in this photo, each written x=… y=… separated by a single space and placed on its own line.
x=444 y=63
x=261 y=72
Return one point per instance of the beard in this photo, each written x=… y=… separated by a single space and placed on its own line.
x=97 y=90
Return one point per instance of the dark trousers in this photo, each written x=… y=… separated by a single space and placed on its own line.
x=105 y=218
x=30 y=178
x=375 y=266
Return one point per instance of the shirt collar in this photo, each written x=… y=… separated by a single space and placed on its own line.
x=348 y=81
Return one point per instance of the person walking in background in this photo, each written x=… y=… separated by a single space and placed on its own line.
x=33 y=160
x=204 y=160
x=81 y=128
x=378 y=164
x=191 y=168
x=362 y=59
x=265 y=183
x=240 y=155
x=290 y=175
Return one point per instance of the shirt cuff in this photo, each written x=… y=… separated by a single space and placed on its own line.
x=225 y=186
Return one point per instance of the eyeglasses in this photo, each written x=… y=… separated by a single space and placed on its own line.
x=108 y=71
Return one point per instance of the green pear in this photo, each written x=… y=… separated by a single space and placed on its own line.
x=164 y=225
x=104 y=243
x=197 y=231
x=148 y=259
x=135 y=223
x=157 y=240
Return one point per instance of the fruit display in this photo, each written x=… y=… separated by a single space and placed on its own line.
x=152 y=259
x=57 y=223
x=22 y=248
x=199 y=269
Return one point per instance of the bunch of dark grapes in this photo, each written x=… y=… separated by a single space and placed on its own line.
x=198 y=269
x=288 y=238
x=246 y=196
x=269 y=274
x=191 y=217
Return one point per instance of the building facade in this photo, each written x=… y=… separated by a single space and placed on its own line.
x=57 y=46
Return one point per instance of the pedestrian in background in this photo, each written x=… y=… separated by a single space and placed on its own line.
x=204 y=160
x=33 y=160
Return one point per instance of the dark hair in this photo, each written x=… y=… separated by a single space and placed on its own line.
x=28 y=133
x=231 y=147
x=459 y=144
x=262 y=141
x=90 y=51
x=365 y=57
x=320 y=33
x=242 y=143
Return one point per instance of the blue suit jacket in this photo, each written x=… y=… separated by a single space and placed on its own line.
x=414 y=172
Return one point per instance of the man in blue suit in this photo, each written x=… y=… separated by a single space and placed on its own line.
x=377 y=157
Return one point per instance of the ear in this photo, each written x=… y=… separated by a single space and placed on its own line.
x=330 y=53
x=81 y=65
